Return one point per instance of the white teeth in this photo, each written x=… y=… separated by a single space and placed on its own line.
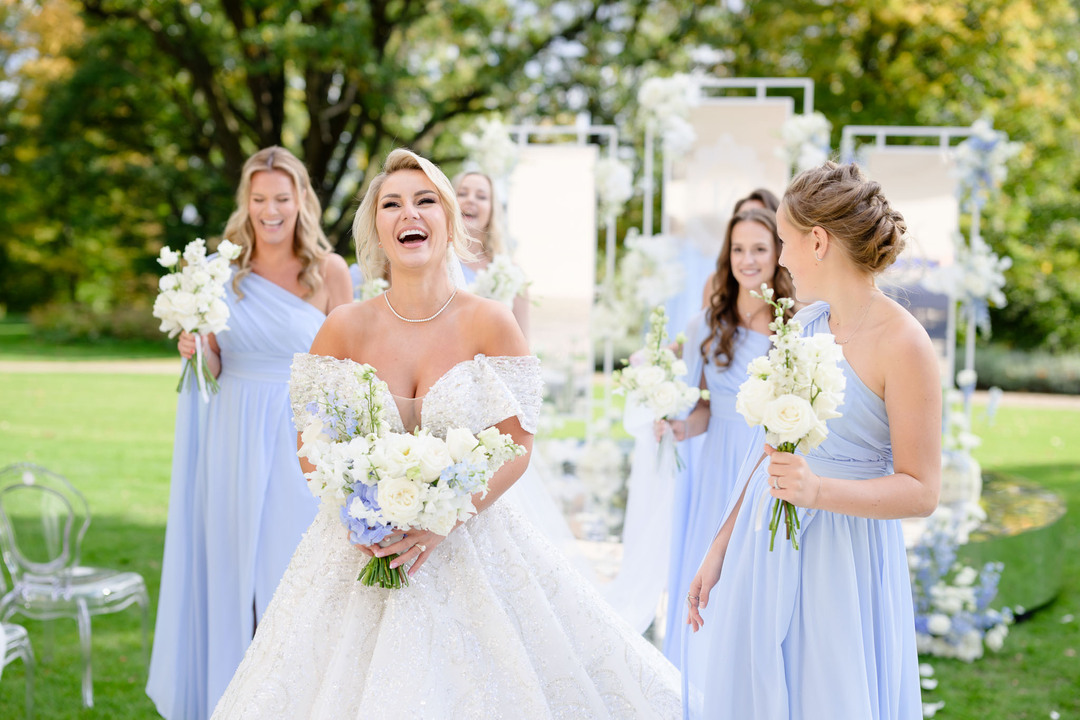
x=407 y=235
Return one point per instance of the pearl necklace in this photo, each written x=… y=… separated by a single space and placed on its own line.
x=386 y=297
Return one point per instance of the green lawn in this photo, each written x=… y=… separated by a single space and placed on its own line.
x=112 y=436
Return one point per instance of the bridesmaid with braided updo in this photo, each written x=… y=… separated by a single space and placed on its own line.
x=828 y=630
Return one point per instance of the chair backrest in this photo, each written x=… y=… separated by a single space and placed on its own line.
x=43 y=519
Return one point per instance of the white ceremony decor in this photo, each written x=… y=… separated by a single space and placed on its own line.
x=792 y=392
x=981 y=162
x=371 y=288
x=975 y=279
x=190 y=299
x=500 y=280
x=490 y=148
x=664 y=105
x=806 y=141
x=614 y=187
x=388 y=482
x=953 y=617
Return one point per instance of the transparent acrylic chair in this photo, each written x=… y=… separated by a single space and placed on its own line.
x=43 y=520
x=15 y=645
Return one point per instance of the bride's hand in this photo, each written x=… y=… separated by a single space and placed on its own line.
x=414 y=547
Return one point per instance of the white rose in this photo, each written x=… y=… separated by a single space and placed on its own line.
x=937 y=623
x=790 y=417
x=754 y=395
x=649 y=376
x=678 y=368
x=432 y=457
x=664 y=400
x=460 y=442
x=184 y=304
x=401 y=501
x=491 y=438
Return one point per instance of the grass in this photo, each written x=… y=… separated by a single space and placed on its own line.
x=19 y=343
x=112 y=436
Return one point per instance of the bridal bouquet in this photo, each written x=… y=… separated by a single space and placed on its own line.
x=791 y=392
x=190 y=299
x=388 y=481
x=655 y=382
x=501 y=280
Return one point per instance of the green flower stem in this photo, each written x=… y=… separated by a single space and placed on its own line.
x=789 y=511
x=378 y=572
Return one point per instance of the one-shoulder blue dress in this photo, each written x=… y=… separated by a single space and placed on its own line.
x=238 y=503
x=712 y=462
x=826 y=631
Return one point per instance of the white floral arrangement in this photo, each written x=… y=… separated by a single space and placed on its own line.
x=370 y=289
x=614 y=187
x=190 y=299
x=665 y=104
x=387 y=482
x=500 y=280
x=953 y=617
x=981 y=161
x=806 y=141
x=977 y=276
x=653 y=378
x=792 y=392
x=961 y=474
x=491 y=148
x=650 y=271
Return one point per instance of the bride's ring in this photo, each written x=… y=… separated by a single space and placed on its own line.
x=421 y=547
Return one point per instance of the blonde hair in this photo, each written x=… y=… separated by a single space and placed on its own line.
x=495 y=244
x=851 y=208
x=371 y=258
x=309 y=241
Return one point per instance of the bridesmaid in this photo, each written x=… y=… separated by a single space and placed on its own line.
x=759 y=198
x=239 y=503
x=483 y=219
x=722 y=339
x=827 y=631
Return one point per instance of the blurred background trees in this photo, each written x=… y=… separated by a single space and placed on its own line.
x=124 y=123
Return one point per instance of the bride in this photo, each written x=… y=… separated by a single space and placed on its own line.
x=493 y=623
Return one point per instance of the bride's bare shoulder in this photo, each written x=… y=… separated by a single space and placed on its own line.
x=497 y=331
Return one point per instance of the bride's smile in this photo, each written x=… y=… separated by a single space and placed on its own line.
x=411 y=221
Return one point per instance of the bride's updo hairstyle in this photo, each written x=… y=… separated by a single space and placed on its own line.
x=369 y=255
x=851 y=208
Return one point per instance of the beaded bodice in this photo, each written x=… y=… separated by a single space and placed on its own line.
x=473 y=394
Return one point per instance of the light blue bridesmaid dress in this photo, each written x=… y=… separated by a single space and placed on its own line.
x=826 y=631
x=469 y=274
x=238 y=503
x=712 y=462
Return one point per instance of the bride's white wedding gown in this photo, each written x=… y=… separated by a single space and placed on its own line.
x=495 y=624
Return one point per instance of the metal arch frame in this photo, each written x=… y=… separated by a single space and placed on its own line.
x=583 y=132
x=761 y=86
x=882 y=133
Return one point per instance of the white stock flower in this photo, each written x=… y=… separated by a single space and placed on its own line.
x=168 y=257
x=649 y=377
x=789 y=418
x=216 y=316
x=401 y=500
x=228 y=250
x=195 y=252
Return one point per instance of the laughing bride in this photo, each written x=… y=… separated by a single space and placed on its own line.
x=493 y=623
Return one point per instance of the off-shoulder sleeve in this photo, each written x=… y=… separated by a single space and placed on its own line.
x=484 y=392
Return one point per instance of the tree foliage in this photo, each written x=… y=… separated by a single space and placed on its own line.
x=125 y=123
